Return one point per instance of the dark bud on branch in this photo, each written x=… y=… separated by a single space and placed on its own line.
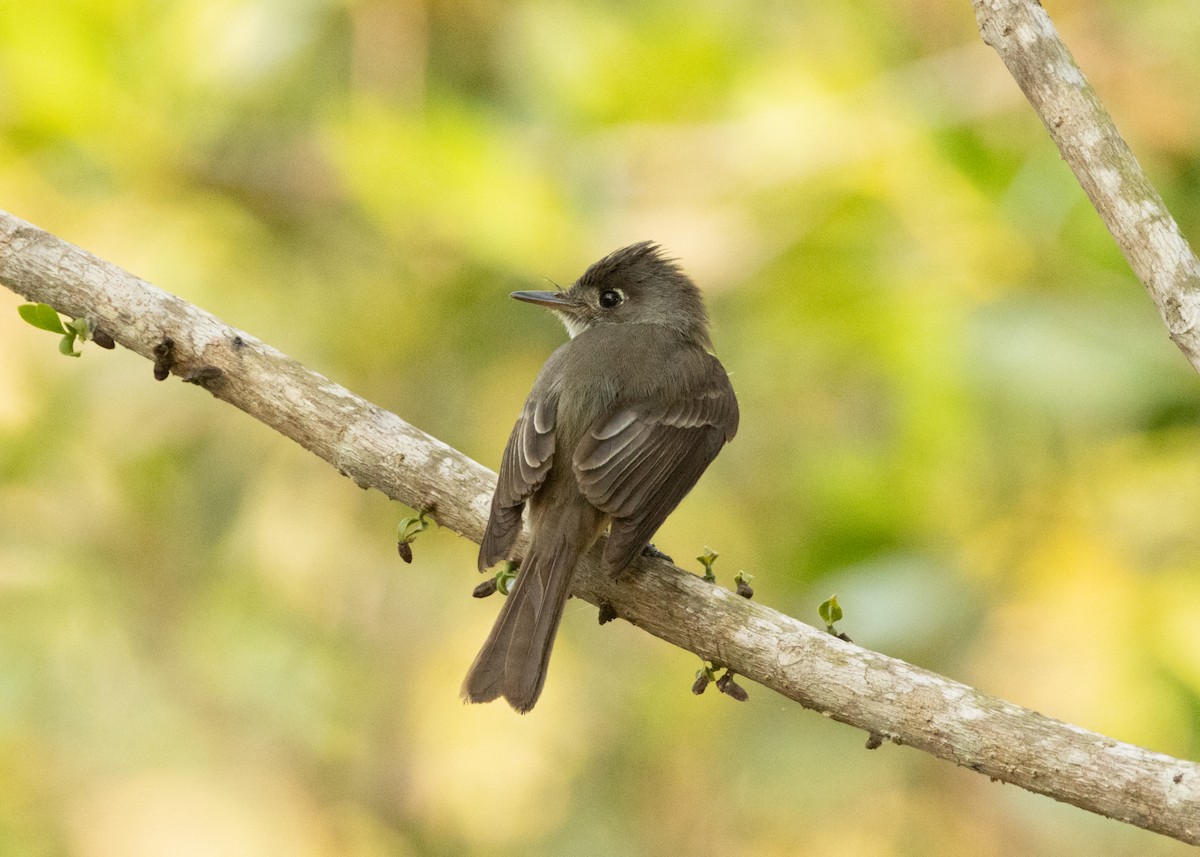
x=607 y=613
x=483 y=590
x=164 y=358
x=731 y=688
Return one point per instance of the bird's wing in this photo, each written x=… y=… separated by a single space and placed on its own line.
x=527 y=459
x=637 y=462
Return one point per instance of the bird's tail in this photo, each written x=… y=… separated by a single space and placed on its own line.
x=513 y=660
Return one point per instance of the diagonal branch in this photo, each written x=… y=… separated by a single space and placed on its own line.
x=1148 y=236
x=375 y=448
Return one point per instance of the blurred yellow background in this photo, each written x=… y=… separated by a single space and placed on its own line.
x=960 y=412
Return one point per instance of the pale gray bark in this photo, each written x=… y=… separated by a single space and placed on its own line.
x=873 y=692
x=1025 y=38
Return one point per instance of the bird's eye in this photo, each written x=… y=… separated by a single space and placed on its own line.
x=609 y=298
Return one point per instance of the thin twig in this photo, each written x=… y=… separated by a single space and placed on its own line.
x=1022 y=33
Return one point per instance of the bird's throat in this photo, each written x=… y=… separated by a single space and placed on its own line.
x=574 y=326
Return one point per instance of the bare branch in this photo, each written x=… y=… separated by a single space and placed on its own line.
x=886 y=697
x=1024 y=36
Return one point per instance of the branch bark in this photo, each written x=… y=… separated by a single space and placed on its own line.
x=375 y=448
x=1023 y=35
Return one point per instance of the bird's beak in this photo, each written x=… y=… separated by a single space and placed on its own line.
x=571 y=311
x=554 y=300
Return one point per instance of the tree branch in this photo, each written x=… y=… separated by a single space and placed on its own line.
x=376 y=448
x=1022 y=33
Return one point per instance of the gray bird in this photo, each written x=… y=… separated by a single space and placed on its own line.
x=621 y=422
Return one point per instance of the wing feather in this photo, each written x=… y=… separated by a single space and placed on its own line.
x=526 y=463
x=636 y=463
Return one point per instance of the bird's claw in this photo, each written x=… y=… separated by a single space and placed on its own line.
x=654 y=553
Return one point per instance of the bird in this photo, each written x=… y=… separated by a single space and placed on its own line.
x=621 y=422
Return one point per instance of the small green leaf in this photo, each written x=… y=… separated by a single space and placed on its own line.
x=505 y=576
x=707 y=559
x=42 y=316
x=409 y=527
x=80 y=327
x=67 y=345
x=830 y=612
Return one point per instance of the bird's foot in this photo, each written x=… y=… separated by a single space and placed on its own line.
x=654 y=553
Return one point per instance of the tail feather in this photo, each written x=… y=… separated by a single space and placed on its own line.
x=514 y=659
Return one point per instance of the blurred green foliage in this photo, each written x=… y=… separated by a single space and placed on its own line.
x=960 y=413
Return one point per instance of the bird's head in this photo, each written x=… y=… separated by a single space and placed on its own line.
x=637 y=284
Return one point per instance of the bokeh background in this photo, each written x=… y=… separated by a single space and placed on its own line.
x=960 y=413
